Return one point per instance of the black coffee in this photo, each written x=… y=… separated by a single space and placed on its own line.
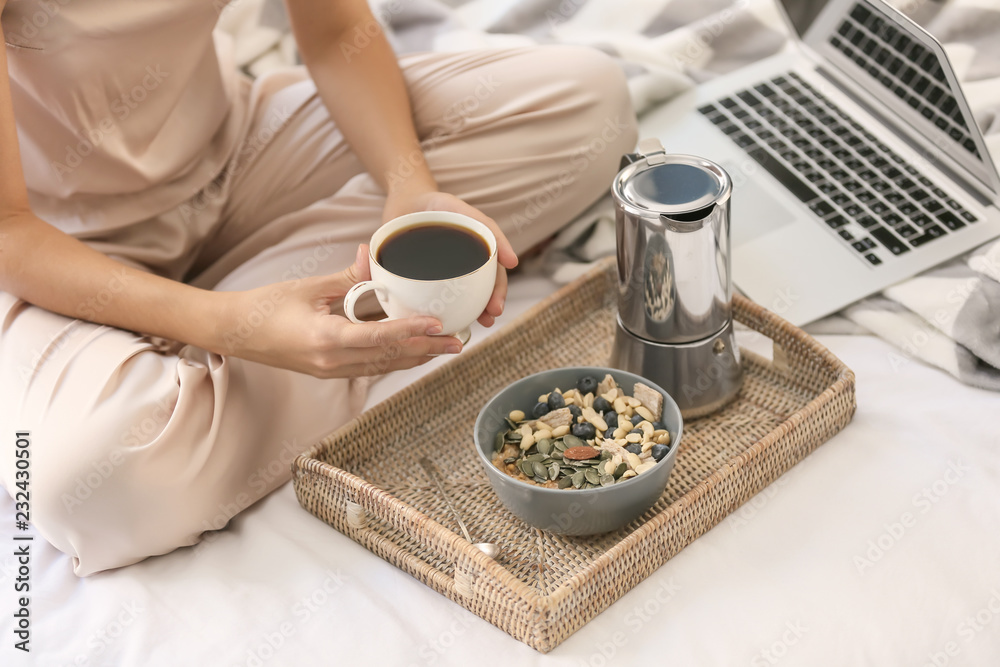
x=433 y=251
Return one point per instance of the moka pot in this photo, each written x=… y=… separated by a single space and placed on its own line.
x=675 y=323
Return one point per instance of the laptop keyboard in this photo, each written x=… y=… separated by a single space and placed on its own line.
x=904 y=66
x=837 y=168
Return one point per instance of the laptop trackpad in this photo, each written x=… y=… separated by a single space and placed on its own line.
x=754 y=211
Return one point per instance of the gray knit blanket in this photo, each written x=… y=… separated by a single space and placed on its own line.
x=948 y=317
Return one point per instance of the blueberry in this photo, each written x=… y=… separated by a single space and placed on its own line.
x=587 y=385
x=601 y=404
x=636 y=430
x=556 y=401
x=635 y=448
x=636 y=418
x=659 y=451
x=575 y=411
x=611 y=419
x=659 y=426
x=584 y=431
x=540 y=410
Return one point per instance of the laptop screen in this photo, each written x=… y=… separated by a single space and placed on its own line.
x=882 y=52
x=802 y=13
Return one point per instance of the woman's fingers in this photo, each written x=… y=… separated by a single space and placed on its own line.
x=378 y=334
x=337 y=284
x=421 y=346
x=392 y=356
x=494 y=308
x=505 y=252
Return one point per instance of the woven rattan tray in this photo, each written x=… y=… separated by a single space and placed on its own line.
x=364 y=479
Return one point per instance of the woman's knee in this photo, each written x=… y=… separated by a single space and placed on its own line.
x=603 y=120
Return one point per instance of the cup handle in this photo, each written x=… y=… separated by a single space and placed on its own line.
x=353 y=294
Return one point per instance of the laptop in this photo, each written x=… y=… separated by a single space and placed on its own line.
x=856 y=161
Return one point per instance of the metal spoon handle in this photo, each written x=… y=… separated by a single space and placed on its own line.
x=432 y=473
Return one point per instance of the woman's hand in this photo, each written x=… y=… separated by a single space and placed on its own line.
x=289 y=325
x=401 y=202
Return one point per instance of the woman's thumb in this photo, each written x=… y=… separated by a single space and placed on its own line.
x=337 y=284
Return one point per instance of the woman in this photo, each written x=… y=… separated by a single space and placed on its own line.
x=173 y=241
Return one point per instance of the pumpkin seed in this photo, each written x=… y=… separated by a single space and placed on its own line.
x=510 y=459
x=541 y=480
x=572 y=441
x=578 y=478
x=544 y=446
x=592 y=476
x=498 y=442
x=607 y=480
x=553 y=471
x=539 y=469
x=526 y=468
x=514 y=436
x=513 y=425
x=560 y=445
x=620 y=470
x=565 y=482
x=534 y=457
x=557 y=455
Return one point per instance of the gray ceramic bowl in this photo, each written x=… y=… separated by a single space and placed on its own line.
x=572 y=511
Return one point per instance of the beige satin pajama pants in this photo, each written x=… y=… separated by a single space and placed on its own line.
x=140 y=445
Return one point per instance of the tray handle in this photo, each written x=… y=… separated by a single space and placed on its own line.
x=364 y=502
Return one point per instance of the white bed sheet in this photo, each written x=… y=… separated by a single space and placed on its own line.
x=779 y=582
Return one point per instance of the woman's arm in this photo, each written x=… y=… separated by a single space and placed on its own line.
x=361 y=85
x=46 y=267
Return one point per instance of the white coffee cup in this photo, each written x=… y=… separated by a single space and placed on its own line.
x=456 y=302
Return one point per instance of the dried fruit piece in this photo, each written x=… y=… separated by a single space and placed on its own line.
x=606 y=385
x=556 y=418
x=651 y=399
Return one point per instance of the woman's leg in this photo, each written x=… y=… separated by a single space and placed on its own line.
x=138 y=450
x=530 y=136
